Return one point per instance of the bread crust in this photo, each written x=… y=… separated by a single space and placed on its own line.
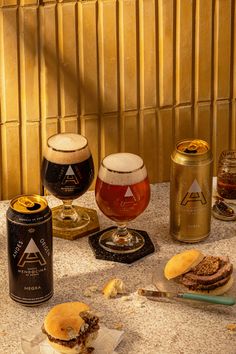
x=182 y=262
x=63 y=321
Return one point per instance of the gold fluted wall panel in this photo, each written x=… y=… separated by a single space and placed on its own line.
x=131 y=75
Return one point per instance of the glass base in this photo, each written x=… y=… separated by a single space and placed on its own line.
x=80 y=219
x=112 y=242
x=125 y=258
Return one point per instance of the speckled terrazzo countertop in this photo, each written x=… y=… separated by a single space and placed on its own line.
x=150 y=327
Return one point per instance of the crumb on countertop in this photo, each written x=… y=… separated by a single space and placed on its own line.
x=231 y=327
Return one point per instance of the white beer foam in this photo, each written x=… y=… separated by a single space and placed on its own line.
x=122 y=169
x=67 y=148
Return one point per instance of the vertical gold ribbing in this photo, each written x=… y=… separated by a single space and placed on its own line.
x=183 y=122
x=88 y=57
x=29 y=64
x=31 y=157
x=48 y=72
x=28 y=2
x=222 y=79
x=8 y=2
x=221 y=130
x=147 y=53
x=108 y=55
x=130 y=132
x=184 y=38
x=222 y=52
x=131 y=75
x=148 y=123
x=128 y=55
x=203 y=121
x=233 y=73
x=30 y=111
x=203 y=50
x=165 y=143
x=11 y=159
x=109 y=134
x=166 y=51
x=9 y=65
x=68 y=59
x=234 y=54
x=90 y=128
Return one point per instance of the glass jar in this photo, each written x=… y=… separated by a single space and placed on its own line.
x=226 y=174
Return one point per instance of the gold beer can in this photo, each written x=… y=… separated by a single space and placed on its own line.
x=191 y=190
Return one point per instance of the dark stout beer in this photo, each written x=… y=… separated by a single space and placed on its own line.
x=29 y=229
x=67 y=169
x=67 y=181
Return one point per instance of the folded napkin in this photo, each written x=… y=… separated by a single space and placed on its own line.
x=34 y=342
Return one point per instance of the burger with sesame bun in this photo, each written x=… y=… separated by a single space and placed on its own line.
x=71 y=328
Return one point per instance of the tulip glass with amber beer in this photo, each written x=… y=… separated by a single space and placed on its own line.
x=122 y=193
x=67 y=173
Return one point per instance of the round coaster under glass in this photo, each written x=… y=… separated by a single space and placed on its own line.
x=71 y=230
x=125 y=257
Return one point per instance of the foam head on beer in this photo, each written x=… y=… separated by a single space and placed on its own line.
x=131 y=167
x=122 y=188
x=67 y=148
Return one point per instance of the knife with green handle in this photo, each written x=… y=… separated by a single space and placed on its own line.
x=222 y=300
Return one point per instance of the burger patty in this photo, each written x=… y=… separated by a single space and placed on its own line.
x=210 y=273
x=92 y=326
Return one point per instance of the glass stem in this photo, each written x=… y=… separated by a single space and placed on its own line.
x=68 y=212
x=121 y=235
x=122 y=230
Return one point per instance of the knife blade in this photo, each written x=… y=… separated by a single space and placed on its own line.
x=221 y=300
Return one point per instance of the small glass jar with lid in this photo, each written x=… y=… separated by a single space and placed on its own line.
x=226 y=174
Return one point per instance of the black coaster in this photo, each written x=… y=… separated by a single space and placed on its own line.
x=128 y=258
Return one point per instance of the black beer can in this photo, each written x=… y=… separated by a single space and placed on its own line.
x=30 y=264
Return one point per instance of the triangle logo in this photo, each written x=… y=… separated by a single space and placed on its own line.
x=194 y=195
x=195 y=188
x=129 y=193
x=31 y=255
x=69 y=172
x=70 y=178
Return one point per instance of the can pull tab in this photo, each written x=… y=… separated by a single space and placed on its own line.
x=193 y=147
x=26 y=202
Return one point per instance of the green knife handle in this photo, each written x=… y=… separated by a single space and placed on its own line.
x=223 y=300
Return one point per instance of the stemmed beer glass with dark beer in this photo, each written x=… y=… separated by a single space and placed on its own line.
x=122 y=193
x=67 y=173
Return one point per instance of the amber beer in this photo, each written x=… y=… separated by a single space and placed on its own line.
x=191 y=191
x=122 y=192
x=29 y=229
